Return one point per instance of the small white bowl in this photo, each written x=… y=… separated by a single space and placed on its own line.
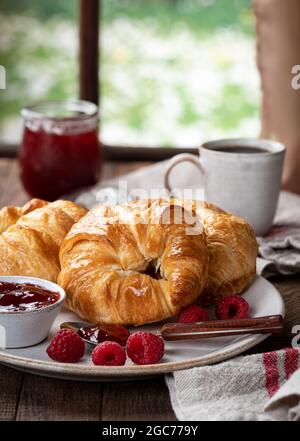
x=20 y=329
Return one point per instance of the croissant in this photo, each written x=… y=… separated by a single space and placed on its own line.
x=104 y=265
x=126 y=265
x=10 y=214
x=232 y=249
x=31 y=237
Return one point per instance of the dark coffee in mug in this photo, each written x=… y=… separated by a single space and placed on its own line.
x=240 y=149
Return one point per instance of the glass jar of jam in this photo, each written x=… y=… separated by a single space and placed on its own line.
x=60 y=150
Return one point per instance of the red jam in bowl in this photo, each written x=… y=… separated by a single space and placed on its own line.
x=24 y=297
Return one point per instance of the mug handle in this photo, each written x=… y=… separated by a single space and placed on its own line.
x=183 y=157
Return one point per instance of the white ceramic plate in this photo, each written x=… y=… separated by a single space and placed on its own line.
x=262 y=297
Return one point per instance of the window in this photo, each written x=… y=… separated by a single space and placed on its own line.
x=173 y=72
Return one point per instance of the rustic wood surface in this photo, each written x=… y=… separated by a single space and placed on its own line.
x=29 y=397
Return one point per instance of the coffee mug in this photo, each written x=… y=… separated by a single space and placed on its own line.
x=240 y=175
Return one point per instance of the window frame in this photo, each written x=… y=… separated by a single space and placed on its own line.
x=89 y=78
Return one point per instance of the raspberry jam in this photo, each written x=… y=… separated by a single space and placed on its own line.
x=100 y=333
x=24 y=297
x=60 y=149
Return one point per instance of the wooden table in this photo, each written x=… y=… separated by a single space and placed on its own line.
x=29 y=397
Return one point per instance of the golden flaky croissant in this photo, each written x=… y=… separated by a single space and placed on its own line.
x=10 y=214
x=108 y=256
x=104 y=266
x=232 y=248
x=29 y=243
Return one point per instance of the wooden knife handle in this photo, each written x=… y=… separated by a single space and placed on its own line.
x=272 y=324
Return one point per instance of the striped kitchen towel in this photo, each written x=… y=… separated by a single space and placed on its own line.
x=254 y=387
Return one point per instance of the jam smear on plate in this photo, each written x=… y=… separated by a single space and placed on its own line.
x=103 y=332
x=24 y=297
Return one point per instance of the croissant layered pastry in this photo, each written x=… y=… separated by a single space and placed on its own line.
x=232 y=249
x=10 y=214
x=126 y=265
x=105 y=261
x=31 y=237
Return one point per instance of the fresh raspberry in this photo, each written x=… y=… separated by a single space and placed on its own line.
x=66 y=347
x=109 y=353
x=232 y=307
x=145 y=348
x=192 y=314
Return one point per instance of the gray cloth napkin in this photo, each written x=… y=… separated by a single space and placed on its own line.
x=260 y=387
x=279 y=250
